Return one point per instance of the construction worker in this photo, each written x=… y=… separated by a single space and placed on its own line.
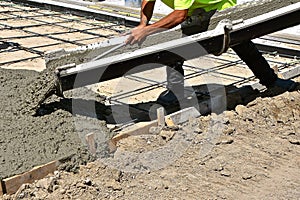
x=194 y=17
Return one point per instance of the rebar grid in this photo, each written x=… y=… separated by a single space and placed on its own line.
x=198 y=71
x=34 y=15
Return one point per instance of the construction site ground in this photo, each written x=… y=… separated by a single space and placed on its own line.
x=255 y=157
x=249 y=151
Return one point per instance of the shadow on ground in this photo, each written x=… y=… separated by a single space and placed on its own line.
x=207 y=98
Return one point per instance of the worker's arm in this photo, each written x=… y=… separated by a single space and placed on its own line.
x=147 y=8
x=139 y=33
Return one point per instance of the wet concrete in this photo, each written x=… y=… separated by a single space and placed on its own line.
x=249 y=10
x=26 y=140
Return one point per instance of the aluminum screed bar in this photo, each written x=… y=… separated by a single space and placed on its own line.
x=165 y=53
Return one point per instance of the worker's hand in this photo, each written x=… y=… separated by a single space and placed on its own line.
x=137 y=35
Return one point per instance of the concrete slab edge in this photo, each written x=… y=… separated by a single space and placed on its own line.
x=83 y=11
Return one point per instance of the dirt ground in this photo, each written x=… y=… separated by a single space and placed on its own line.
x=251 y=152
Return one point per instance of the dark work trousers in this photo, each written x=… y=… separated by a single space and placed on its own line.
x=247 y=51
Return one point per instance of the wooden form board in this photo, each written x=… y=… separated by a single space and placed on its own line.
x=1 y=188
x=137 y=129
x=176 y=118
x=291 y=73
x=181 y=116
x=90 y=140
x=12 y=184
